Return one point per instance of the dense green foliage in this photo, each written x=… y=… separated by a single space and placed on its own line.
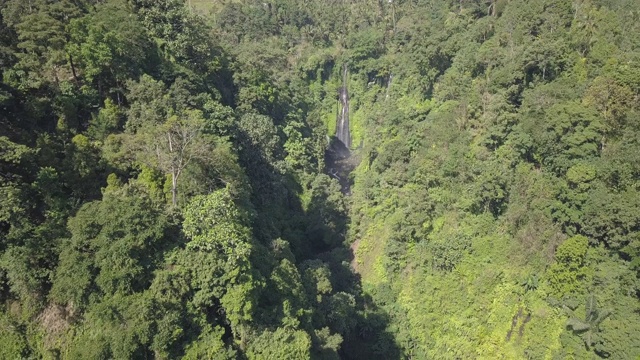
x=164 y=194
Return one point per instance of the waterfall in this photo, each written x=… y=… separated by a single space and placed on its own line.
x=342 y=128
x=339 y=161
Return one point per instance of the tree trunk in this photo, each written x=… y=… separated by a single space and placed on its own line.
x=174 y=188
x=73 y=69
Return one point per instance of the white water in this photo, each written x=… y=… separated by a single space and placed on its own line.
x=342 y=129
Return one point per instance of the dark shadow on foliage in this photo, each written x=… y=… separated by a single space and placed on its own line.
x=317 y=233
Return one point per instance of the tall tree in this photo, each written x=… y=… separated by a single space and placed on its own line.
x=167 y=135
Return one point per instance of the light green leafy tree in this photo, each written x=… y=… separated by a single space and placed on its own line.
x=568 y=275
x=217 y=257
x=285 y=344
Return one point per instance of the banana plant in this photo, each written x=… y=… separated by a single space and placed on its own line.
x=589 y=326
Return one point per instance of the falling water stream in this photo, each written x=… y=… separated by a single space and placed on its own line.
x=338 y=157
x=342 y=128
